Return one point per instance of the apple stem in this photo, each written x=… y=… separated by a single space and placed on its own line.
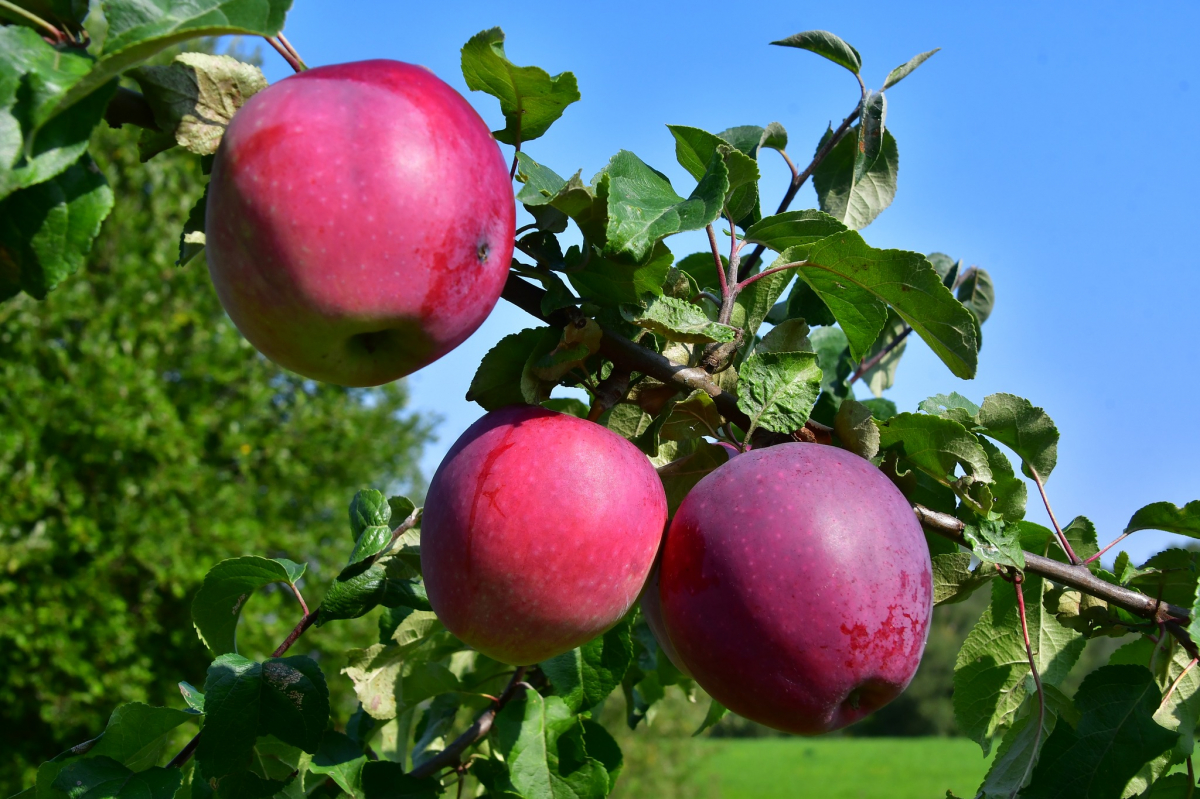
x=293 y=61
x=1017 y=579
x=798 y=181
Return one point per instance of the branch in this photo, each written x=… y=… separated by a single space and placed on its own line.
x=127 y=107
x=1077 y=577
x=798 y=181
x=452 y=754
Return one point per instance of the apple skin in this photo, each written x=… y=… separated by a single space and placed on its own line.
x=538 y=533
x=359 y=222
x=796 y=587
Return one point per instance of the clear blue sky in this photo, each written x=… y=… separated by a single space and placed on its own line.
x=1052 y=144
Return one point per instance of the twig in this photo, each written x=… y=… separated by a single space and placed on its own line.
x=452 y=754
x=1115 y=541
x=293 y=62
x=1062 y=539
x=1016 y=580
x=299 y=598
x=716 y=251
x=58 y=36
x=184 y=753
x=760 y=275
x=297 y=631
x=288 y=46
x=874 y=360
x=798 y=181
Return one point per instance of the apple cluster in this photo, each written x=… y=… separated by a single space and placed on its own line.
x=360 y=225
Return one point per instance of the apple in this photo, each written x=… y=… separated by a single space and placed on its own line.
x=796 y=587
x=539 y=531
x=359 y=221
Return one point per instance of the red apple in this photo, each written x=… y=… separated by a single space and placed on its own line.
x=796 y=587
x=359 y=221
x=538 y=533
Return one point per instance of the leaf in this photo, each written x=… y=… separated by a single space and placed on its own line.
x=1170 y=576
x=394 y=677
x=192 y=239
x=1027 y=430
x=429 y=738
x=716 y=712
x=227 y=586
x=568 y=405
x=542 y=184
x=384 y=780
x=1116 y=734
x=690 y=418
x=192 y=695
x=954 y=580
x=389 y=581
x=882 y=375
x=856 y=428
x=857 y=282
x=542 y=742
x=47 y=230
x=1167 y=517
x=977 y=293
x=853 y=198
x=585 y=676
x=777 y=389
x=643 y=208
x=825 y=44
x=871 y=126
x=695 y=150
x=790 y=335
x=936 y=446
x=953 y=406
x=136 y=31
x=34 y=144
x=342 y=760
x=609 y=281
x=1010 y=770
x=103 y=777
x=601 y=746
x=1008 y=491
x=232 y=701
x=995 y=542
x=990 y=672
x=904 y=70
x=678 y=320
x=295 y=702
x=679 y=477
x=497 y=381
x=754 y=302
x=530 y=99
x=793 y=229
x=195 y=97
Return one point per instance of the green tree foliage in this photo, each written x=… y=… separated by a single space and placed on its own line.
x=142 y=440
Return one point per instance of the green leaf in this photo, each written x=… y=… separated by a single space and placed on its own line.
x=977 y=293
x=995 y=542
x=542 y=742
x=695 y=150
x=678 y=320
x=790 y=335
x=953 y=406
x=46 y=230
x=585 y=676
x=388 y=581
x=853 y=198
x=857 y=282
x=195 y=97
x=227 y=586
x=1027 y=430
x=136 y=31
x=530 y=99
x=64 y=14
x=882 y=375
x=34 y=144
x=601 y=746
x=679 y=477
x=856 y=428
x=871 y=126
x=904 y=70
x=716 y=712
x=954 y=580
x=384 y=780
x=690 y=418
x=825 y=44
x=192 y=695
x=1170 y=576
x=430 y=735
x=342 y=760
x=1011 y=768
x=990 y=672
x=754 y=302
x=793 y=229
x=1116 y=734
x=105 y=778
x=702 y=268
x=777 y=389
x=394 y=677
x=542 y=184
x=936 y=446
x=608 y=281
x=192 y=239
x=369 y=511
x=497 y=381
x=568 y=405
x=643 y=208
x=295 y=702
x=1172 y=786
x=232 y=701
x=1167 y=517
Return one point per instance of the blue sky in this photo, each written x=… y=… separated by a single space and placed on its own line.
x=1052 y=144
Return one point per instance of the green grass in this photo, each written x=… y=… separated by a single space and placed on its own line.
x=841 y=768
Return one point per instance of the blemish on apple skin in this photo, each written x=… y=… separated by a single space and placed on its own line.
x=483 y=252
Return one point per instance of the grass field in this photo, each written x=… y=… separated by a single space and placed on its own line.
x=841 y=768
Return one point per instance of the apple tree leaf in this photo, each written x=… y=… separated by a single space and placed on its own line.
x=1026 y=429
x=777 y=389
x=856 y=428
x=793 y=229
x=977 y=293
x=995 y=543
x=936 y=446
x=530 y=99
x=1167 y=517
x=716 y=712
x=295 y=702
x=382 y=779
x=904 y=70
x=856 y=198
x=342 y=760
x=1116 y=734
x=693 y=417
x=680 y=476
x=192 y=239
x=586 y=675
x=497 y=381
x=954 y=580
x=544 y=746
x=695 y=149
x=882 y=375
x=1010 y=769
x=678 y=320
x=105 y=778
x=47 y=230
x=825 y=44
x=226 y=588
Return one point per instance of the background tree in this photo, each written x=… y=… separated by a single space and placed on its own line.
x=142 y=440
